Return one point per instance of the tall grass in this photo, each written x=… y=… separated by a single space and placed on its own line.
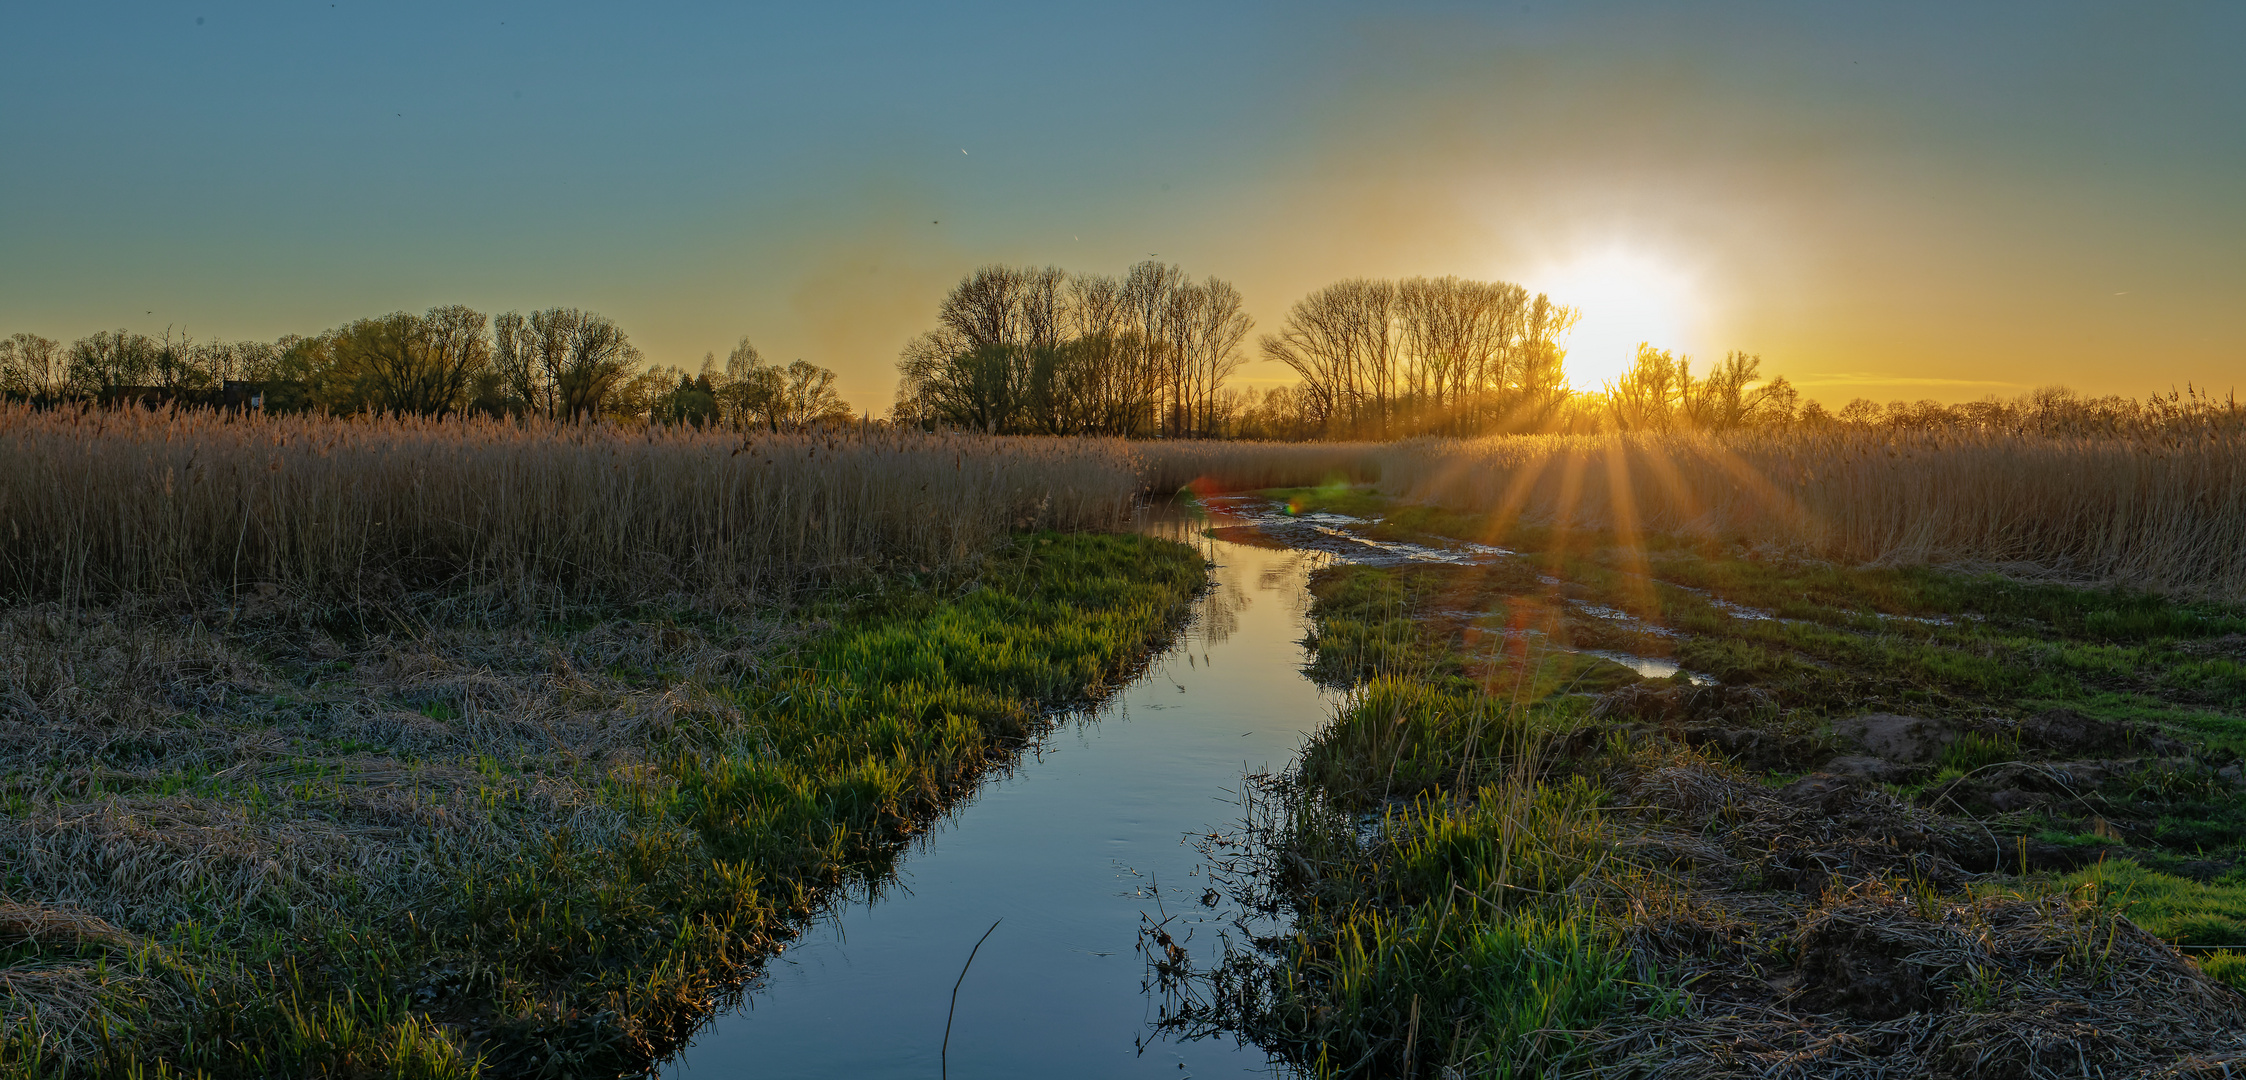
x=1208 y=466
x=130 y=501
x=2159 y=511
x=2158 y=506
x=106 y=502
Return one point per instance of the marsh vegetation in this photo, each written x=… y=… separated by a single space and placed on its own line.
x=1935 y=821
x=507 y=744
x=444 y=748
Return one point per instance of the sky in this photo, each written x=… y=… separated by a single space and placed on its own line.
x=1939 y=200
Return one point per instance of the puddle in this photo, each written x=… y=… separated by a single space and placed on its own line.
x=1624 y=618
x=1742 y=611
x=1650 y=666
x=1329 y=533
x=1924 y=620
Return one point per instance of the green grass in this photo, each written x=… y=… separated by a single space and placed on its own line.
x=1332 y=498
x=592 y=954
x=1837 y=644
x=1434 y=881
x=2207 y=918
x=1443 y=935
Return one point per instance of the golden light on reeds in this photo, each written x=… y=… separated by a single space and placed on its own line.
x=186 y=503
x=2157 y=510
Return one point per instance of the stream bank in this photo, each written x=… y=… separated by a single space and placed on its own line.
x=1069 y=852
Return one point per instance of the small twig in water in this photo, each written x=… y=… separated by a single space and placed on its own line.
x=943 y=1056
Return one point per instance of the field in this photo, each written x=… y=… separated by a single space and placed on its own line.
x=1883 y=820
x=2158 y=508
x=351 y=747
x=420 y=749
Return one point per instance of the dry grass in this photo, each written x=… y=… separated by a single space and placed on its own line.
x=110 y=503
x=1999 y=985
x=349 y=690
x=2162 y=512
x=1823 y=932
x=2154 y=506
x=196 y=781
x=187 y=504
x=1207 y=466
x=158 y=773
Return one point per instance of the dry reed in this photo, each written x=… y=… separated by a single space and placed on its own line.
x=107 y=503
x=2161 y=511
x=1207 y=466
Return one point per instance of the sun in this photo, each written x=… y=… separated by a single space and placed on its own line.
x=1625 y=296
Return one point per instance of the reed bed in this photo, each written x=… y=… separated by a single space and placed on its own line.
x=188 y=503
x=2163 y=512
x=191 y=504
x=1210 y=466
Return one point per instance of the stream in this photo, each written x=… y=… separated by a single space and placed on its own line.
x=1065 y=852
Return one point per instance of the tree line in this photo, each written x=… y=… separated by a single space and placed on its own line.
x=560 y=363
x=1039 y=350
x=1384 y=359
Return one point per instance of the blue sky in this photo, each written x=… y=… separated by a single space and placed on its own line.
x=1931 y=200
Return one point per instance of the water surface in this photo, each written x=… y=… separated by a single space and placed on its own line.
x=1065 y=852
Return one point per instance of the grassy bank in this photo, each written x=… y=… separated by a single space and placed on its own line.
x=1512 y=855
x=440 y=836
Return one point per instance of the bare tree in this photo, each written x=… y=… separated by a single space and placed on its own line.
x=1650 y=395
x=1458 y=335
x=562 y=362
x=31 y=366
x=1150 y=304
x=1034 y=349
x=1315 y=341
x=1207 y=327
x=1112 y=389
x=1732 y=395
x=987 y=308
x=1344 y=342
x=107 y=360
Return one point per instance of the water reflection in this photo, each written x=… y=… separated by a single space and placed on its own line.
x=1067 y=851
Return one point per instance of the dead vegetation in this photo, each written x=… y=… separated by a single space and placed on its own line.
x=1825 y=930
x=210 y=785
x=101 y=504
x=1887 y=978
x=1906 y=828
x=458 y=833
x=2159 y=509
x=430 y=747
x=2157 y=506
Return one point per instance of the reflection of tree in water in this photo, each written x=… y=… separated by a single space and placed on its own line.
x=1285 y=578
x=1220 y=611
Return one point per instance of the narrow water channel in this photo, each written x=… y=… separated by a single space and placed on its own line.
x=1064 y=852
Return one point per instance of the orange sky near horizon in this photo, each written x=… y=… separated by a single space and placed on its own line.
x=1917 y=202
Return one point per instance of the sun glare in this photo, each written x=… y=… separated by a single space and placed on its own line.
x=1625 y=297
